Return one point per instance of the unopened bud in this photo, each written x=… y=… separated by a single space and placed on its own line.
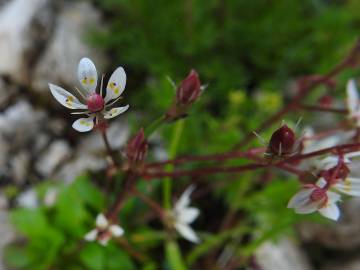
x=137 y=147
x=189 y=89
x=282 y=141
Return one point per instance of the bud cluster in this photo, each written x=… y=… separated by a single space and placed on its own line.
x=137 y=148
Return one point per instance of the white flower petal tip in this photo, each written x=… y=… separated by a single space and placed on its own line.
x=116 y=84
x=184 y=199
x=330 y=211
x=65 y=98
x=87 y=75
x=352 y=97
x=115 y=112
x=91 y=236
x=116 y=230
x=300 y=198
x=101 y=221
x=84 y=124
x=187 y=232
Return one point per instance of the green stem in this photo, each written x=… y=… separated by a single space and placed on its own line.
x=154 y=126
x=178 y=129
x=174 y=257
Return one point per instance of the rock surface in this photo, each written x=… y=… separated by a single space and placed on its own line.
x=281 y=255
x=67 y=46
x=20 y=38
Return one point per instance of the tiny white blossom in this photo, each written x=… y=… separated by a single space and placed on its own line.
x=312 y=198
x=92 y=103
x=184 y=215
x=104 y=231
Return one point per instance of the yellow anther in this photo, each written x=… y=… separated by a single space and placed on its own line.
x=91 y=81
x=347 y=185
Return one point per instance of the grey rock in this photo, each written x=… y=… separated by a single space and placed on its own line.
x=79 y=165
x=19 y=167
x=54 y=155
x=281 y=255
x=20 y=123
x=24 y=25
x=28 y=199
x=67 y=46
x=343 y=234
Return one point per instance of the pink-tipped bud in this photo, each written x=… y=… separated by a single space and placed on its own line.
x=95 y=103
x=189 y=89
x=282 y=141
x=137 y=147
x=318 y=194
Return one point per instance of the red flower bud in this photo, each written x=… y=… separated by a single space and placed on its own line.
x=95 y=102
x=189 y=89
x=137 y=147
x=282 y=141
x=325 y=101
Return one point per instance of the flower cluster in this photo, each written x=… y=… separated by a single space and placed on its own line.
x=333 y=178
x=95 y=104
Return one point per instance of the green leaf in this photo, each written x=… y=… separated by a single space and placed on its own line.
x=173 y=256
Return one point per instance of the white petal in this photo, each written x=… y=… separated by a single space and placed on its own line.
x=184 y=200
x=116 y=230
x=331 y=211
x=352 y=155
x=104 y=240
x=188 y=215
x=116 y=84
x=187 y=232
x=350 y=186
x=84 y=124
x=91 y=236
x=65 y=98
x=101 y=221
x=300 y=198
x=333 y=197
x=309 y=207
x=321 y=182
x=352 y=99
x=115 y=112
x=87 y=75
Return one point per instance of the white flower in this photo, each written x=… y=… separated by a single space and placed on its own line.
x=312 y=198
x=332 y=161
x=352 y=101
x=184 y=215
x=104 y=231
x=93 y=104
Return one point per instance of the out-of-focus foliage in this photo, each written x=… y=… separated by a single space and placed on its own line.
x=233 y=44
x=238 y=47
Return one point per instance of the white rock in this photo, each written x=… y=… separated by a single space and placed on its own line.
x=23 y=24
x=28 y=199
x=68 y=45
x=281 y=255
x=78 y=166
x=56 y=153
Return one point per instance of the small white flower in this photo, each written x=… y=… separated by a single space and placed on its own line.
x=104 y=231
x=352 y=101
x=312 y=198
x=184 y=215
x=93 y=104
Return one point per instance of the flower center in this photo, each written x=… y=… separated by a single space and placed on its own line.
x=95 y=102
x=318 y=194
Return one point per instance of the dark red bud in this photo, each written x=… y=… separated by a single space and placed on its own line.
x=137 y=147
x=189 y=89
x=95 y=103
x=282 y=141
